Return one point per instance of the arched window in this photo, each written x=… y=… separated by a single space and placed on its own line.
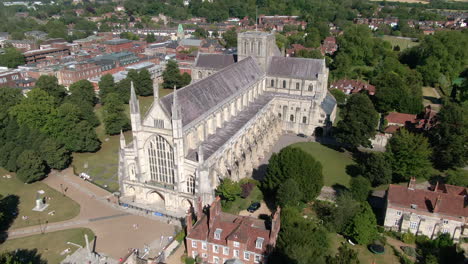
x=245 y=47
x=259 y=47
x=311 y=87
x=297 y=86
x=191 y=185
x=284 y=83
x=252 y=47
x=279 y=115
x=161 y=160
x=291 y=118
x=200 y=75
x=304 y=120
x=272 y=83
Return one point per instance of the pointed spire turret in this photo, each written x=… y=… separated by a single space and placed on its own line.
x=200 y=155
x=156 y=89
x=175 y=106
x=123 y=143
x=134 y=104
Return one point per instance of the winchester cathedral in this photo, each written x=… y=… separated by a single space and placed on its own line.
x=221 y=125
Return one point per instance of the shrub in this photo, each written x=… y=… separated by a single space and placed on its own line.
x=408 y=238
x=189 y=260
x=409 y=251
x=247 y=189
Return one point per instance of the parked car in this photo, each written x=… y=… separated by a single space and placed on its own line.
x=253 y=207
x=301 y=135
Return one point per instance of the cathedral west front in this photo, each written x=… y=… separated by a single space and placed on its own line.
x=221 y=125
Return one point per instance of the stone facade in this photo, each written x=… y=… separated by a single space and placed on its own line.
x=427 y=212
x=217 y=127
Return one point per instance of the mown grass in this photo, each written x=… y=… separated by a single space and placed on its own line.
x=50 y=245
x=334 y=162
x=64 y=207
x=403 y=43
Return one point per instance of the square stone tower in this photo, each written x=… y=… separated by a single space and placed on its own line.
x=259 y=45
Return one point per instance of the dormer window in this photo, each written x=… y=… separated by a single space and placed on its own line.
x=217 y=233
x=236 y=244
x=259 y=242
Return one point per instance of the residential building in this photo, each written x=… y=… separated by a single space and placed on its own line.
x=9 y=77
x=442 y=208
x=117 y=45
x=218 y=237
x=353 y=86
x=34 y=56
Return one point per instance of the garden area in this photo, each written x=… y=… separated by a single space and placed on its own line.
x=401 y=42
x=19 y=199
x=51 y=247
x=102 y=165
x=333 y=162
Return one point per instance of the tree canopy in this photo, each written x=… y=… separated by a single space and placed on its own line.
x=294 y=163
x=409 y=154
x=363 y=226
x=449 y=136
x=358 y=121
x=12 y=58
x=172 y=76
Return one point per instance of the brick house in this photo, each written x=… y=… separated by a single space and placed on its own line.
x=353 y=86
x=34 y=56
x=218 y=237
x=442 y=208
x=117 y=45
x=9 y=78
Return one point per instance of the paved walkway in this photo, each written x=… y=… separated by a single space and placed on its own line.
x=116 y=229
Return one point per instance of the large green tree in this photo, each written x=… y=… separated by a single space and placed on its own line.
x=230 y=38
x=358 y=121
x=376 y=167
x=8 y=98
x=345 y=255
x=172 y=76
x=106 y=86
x=363 y=226
x=31 y=167
x=360 y=188
x=289 y=193
x=294 y=163
x=409 y=154
x=34 y=110
x=300 y=240
x=55 y=154
x=228 y=190
x=449 y=137
x=12 y=58
x=115 y=118
x=50 y=85
x=82 y=92
x=142 y=82
x=458 y=177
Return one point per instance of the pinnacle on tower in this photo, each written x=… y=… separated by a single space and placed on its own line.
x=156 y=89
x=134 y=105
x=175 y=106
x=200 y=154
x=122 y=140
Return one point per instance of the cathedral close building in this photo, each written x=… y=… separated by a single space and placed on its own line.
x=221 y=125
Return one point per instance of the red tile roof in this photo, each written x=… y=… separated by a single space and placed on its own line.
x=354 y=85
x=400 y=118
x=448 y=203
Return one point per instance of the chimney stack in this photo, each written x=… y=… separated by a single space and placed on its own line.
x=437 y=204
x=188 y=219
x=412 y=183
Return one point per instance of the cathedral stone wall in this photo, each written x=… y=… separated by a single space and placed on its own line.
x=220 y=126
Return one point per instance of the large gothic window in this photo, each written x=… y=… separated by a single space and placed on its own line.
x=272 y=84
x=245 y=47
x=161 y=160
x=284 y=84
x=259 y=48
x=191 y=185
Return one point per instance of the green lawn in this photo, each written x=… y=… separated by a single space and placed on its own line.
x=364 y=255
x=403 y=43
x=64 y=207
x=334 y=162
x=102 y=165
x=50 y=245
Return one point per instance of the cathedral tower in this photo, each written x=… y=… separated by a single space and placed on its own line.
x=259 y=45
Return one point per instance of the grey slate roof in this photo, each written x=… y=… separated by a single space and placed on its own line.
x=328 y=104
x=301 y=68
x=200 y=97
x=215 y=61
x=191 y=42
